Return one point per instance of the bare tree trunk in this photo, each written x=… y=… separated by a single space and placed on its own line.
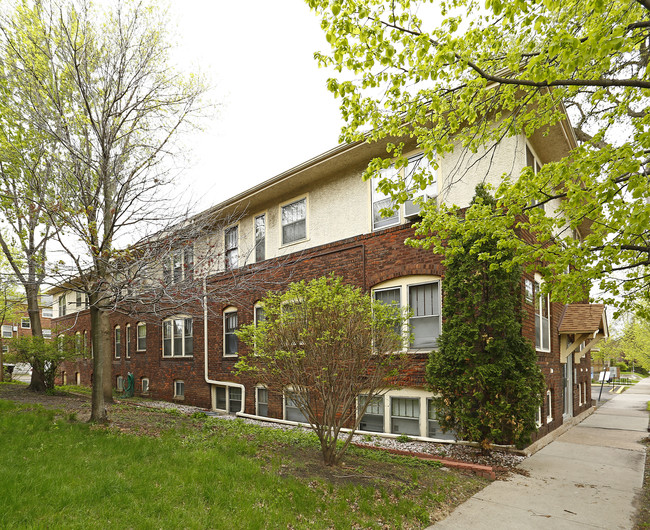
x=37 y=384
x=98 y=324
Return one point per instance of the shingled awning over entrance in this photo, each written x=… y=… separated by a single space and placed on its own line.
x=581 y=327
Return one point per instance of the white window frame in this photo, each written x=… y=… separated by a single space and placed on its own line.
x=230 y=262
x=144 y=385
x=185 y=267
x=7 y=331
x=544 y=322
x=24 y=321
x=140 y=326
x=179 y=384
x=127 y=341
x=47 y=333
x=403 y=284
x=47 y=301
x=226 y=312
x=172 y=348
x=117 y=331
x=258 y=402
x=285 y=204
x=549 y=405
x=536 y=167
x=260 y=242
x=377 y=197
x=78 y=347
x=119 y=383
x=285 y=399
x=62 y=305
x=376 y=397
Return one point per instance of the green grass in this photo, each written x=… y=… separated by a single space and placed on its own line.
x=57 y=472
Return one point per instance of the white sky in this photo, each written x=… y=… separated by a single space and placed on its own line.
x=275 y=110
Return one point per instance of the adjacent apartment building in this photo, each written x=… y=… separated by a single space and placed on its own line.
x=315 y=219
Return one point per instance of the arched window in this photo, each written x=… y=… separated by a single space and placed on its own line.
x=230 y=325
x=118 y=342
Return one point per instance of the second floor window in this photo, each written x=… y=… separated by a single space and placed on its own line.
x=231 y=248
x=260 y=238
x=230 y=341
x=142 y=337
x=380 y=201
x=62 y=305
x=127 y=342
x=294 y=221
x=118 y=342
x=177 y=337
x=179 y=265
x=542 y=319
x=25 y=323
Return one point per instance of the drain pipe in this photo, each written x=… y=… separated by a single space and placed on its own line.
x=205 y=354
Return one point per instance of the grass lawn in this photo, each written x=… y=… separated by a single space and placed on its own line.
x=155 y=469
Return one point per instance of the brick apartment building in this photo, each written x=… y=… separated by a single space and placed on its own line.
x=320 y=218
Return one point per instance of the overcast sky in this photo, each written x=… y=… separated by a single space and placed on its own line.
x=275 y=110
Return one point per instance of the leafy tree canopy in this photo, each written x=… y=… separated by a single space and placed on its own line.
x=463 y=74
x=327 y=343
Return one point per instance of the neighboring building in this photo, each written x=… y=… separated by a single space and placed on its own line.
x=19 y=325
x=319 y=218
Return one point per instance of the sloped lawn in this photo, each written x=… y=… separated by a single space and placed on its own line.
x=155 y=469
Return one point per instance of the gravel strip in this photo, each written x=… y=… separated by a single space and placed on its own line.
x=453 y=451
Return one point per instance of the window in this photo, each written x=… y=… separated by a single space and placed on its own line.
x=231 y=246
x=62 y=305
x=177 y=337
x=538 y=417
x=584 y=393
x=47 y=333
x=423 y=299
x=88 y=344
x=260 y=238
x=418 y=164
x=373 y=419
x=64 y=378
x=529 y=291
x=119 y=383
x=262 y=401
x=77 y=378
x=127 y=342
x=220 y=397
x=381 y=201
x=549 y=406
x=294 y=221
x=77 y=343
x=179 y=265
x=533 y=163
x=579 y=394
x=145 y=385
x=291 y=410
x=5 y=349
x=142 y=337
x=46 y=301
x=179 y=389
x=7 y=331
x=542 y=320
x=433 y=427
x=260 y=315
x=78 y=300
x=230 y=341
x=234 y=397
x=405 y=416
x=25 y=323
x=118 y=342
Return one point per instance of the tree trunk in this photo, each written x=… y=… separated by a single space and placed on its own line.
x=99 y=326
x=37 y=384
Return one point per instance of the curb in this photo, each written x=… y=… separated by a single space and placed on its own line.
x=477 y=469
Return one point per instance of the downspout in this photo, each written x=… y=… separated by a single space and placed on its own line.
x=205 y=354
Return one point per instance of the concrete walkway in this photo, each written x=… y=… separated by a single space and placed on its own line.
x=588 y=477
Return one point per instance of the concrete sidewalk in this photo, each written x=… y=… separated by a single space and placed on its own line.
x=588 y=478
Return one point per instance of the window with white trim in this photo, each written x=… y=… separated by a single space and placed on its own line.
x=234 y=399
x=259 y=314
x=230 y=324
x=423 y=296
x=142 y=337
x=77 y=378
x=145 y=385
x=533 y=163
x=433 y=426
x=373 y=419
x=260 y=238
x=584 y=393
x=294 y=221
x=221 y=400
x=179 y=389
x=78 y=347
x=47 y=333
x=47 y=300
x=25 y=323
x=119 y=383
x=291 y=410
x=549 y=406
x=382 y=201
x=179 y=265
x=405 y=415
x=538 y=416
x=261 y=401
x=7 y=331
x=178 y=337
x=62 y=305
x=231 y=245
x=118 y=343
x=542 y=319
x=127 y=341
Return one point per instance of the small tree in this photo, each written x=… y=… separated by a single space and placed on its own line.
x=49 y=354
x=485 y=371
x=328 y=343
